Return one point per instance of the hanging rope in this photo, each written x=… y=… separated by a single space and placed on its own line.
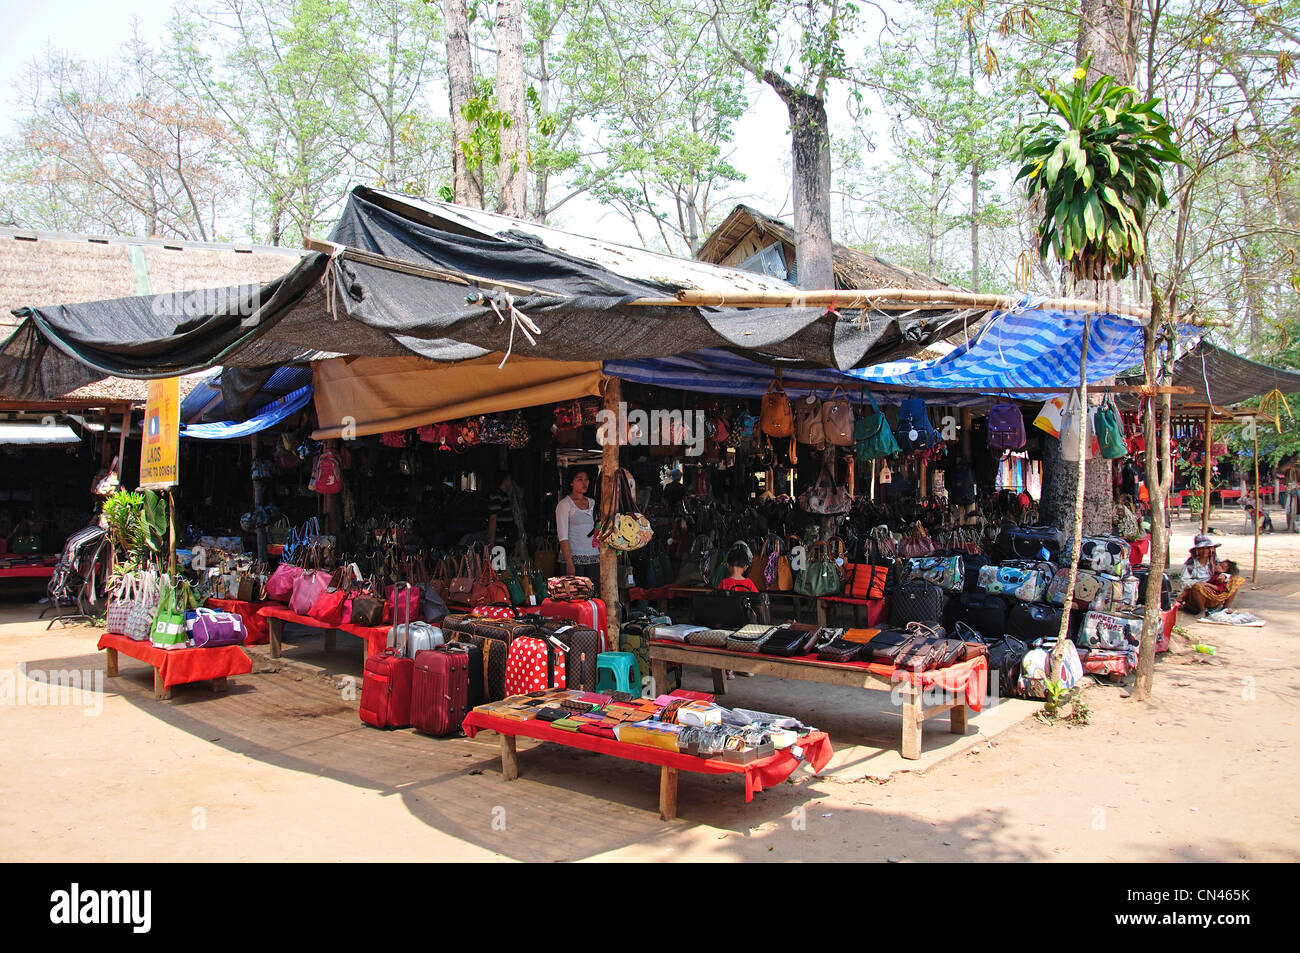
x=330 y=279
x=502 y=304
x=1271 y=405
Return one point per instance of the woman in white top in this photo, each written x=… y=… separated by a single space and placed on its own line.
x=575 y=521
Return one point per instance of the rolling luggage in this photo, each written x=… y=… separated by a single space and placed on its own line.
x=440 y=690
x=583 y=645
x=984 y=612
x=494 y=653
x=588 y=612
x=535 y=664
x=386 y=690
x=1005 y=654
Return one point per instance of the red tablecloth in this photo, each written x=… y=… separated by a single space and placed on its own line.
x=179 y=666
x=27 y=572
x=970 y=677
x=376 y=636
x=258 y=633
x=758 y=774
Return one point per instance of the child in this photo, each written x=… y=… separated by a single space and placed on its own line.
x=738 y=560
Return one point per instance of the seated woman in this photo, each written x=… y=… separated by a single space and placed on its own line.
x=1209 y=585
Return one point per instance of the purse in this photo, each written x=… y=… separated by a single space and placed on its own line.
x=306 y=590
x=871 y=434
x=820 y=577
x=462 y=585
x=367 y=607
x=328 y=607
x=168 y=627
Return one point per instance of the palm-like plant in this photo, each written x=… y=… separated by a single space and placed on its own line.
x=1094 y=164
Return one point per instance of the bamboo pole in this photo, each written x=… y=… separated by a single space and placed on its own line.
x=121 y=444
x=1085 y=437
x=1205 y=489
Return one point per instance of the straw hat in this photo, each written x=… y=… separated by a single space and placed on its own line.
x=1203 y=542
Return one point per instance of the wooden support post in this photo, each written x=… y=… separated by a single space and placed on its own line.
x=609 y=581
x=219 y=684
x=913 y=716
x=110 y=663
x=1205 y=489
x=509 y=758
x=719 y=681
x=121 y=444
x=821 y=611
x=1259 y=503
x=331 y=640
x=659 y=675
x=259 y=497
x=275 y=627
x=667 y=793
x=957 y=718
x=160 y=691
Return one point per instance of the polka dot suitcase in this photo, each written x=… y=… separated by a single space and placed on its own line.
x=535 y=664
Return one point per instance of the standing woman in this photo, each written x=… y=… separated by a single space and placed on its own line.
x=575 y=523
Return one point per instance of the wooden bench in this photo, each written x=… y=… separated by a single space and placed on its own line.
x=911 y=688
x=815 y=746
x=374 y=637
x=177 y=666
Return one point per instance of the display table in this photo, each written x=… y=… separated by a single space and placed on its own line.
x=27 y=572
x=276 y=615
x=259 y=632
x=965 y=680
x=758 y=774
x=177 y=666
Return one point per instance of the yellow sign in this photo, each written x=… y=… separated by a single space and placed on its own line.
x=162 y=434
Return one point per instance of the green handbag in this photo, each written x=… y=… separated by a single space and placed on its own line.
x=1109 y=433
x=168 y=626
x=513 y=587
x=820 y=577
x=872 y=434
x=25 y=545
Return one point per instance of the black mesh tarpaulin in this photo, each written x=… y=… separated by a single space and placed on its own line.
x=581 y=309
x=1223 y=378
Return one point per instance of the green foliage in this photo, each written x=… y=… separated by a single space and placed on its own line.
x=137 y=526
x=1095 y=166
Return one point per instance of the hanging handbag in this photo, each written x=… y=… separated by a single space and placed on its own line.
x=488 y=587
x=462 y=585
x=871 y=434
x=628 y=530
x=1074 y=418
x=808 y=420
x=777 y=416
x=1110 y=435
x=168 y=627
x=820 y=577
x=915 y=432
x=837 y=419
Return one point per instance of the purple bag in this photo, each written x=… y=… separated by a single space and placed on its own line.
x=280 y=586
x=1006 y=427
x=214 y=629
x=403 y=601
x=307 y=589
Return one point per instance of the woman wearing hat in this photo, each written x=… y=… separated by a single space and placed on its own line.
x=1208 y=584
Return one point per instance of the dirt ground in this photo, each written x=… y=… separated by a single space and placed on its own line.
x=280 y=768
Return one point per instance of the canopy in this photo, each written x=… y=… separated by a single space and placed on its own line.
x=206 y=402
x=1023 y=349
x=270 y=415
x=395 y=285
x=1223 y=378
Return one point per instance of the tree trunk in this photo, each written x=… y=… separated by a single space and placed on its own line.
x=811 y=149
x=1159 y=481
x=1106 y=31
x=1060 y=478
x=460 y=87
x=512 y=173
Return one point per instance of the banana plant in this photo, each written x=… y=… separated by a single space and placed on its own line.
x=1094 y=164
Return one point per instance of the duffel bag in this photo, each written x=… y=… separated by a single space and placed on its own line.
x=570 y=588
x=214 y=629
x=1087 y=587
x=1103 y=630
x=1030 y=542
x=1005 y=654
x=916 y=601
x=985 y=612
x=946 y=572
x=1108 y=554
x=1027 y=585
x=1028 y=621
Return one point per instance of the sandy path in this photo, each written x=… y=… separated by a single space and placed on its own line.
x=280 y=769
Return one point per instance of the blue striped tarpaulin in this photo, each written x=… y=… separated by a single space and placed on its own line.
x=1024 y=349
x=270 y=415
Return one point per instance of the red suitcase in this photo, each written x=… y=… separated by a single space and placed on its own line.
x=440 y=690
x=386 y=690
x=535 y=665
x=590 y=614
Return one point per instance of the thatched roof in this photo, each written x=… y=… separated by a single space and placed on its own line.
x=38 y=268
x=747 y=231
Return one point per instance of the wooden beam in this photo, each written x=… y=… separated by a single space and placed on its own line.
x=609 y=462
x=1209 y=462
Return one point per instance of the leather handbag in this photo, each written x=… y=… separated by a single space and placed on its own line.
x=837 y=419
x=488 y=587
x=367 y=608
x=777 y=416
x=808 y=420
x=820 y=577
x=757 y=573
x=915 y=601
x=871 y=434
x=307 y=589
x=462 y=585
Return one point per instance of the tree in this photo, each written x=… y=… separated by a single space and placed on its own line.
x=110 y=148
x=796 y=47
x=512 y=168
x=467 y=182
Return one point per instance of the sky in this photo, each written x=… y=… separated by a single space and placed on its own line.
x=93 y=29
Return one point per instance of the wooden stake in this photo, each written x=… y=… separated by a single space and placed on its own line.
x=1205 y=502
x=609 y=581
x=1254 y=564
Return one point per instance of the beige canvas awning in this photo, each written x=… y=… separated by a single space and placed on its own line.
x=374 y=394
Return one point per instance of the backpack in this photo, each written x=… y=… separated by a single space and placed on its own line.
x=1006 y=427
x=871 y=433
x=327 y=476
x=915 y=432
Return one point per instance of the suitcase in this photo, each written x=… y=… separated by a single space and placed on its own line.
x=477 y=688
x=496 y=610
x=494 y=653
x=439 y=690
x=386 y=690
x=534 y=665
x=583 y=646
x=590 y=613
x=414 y=638
x=503 y=630
x=1005 y=654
